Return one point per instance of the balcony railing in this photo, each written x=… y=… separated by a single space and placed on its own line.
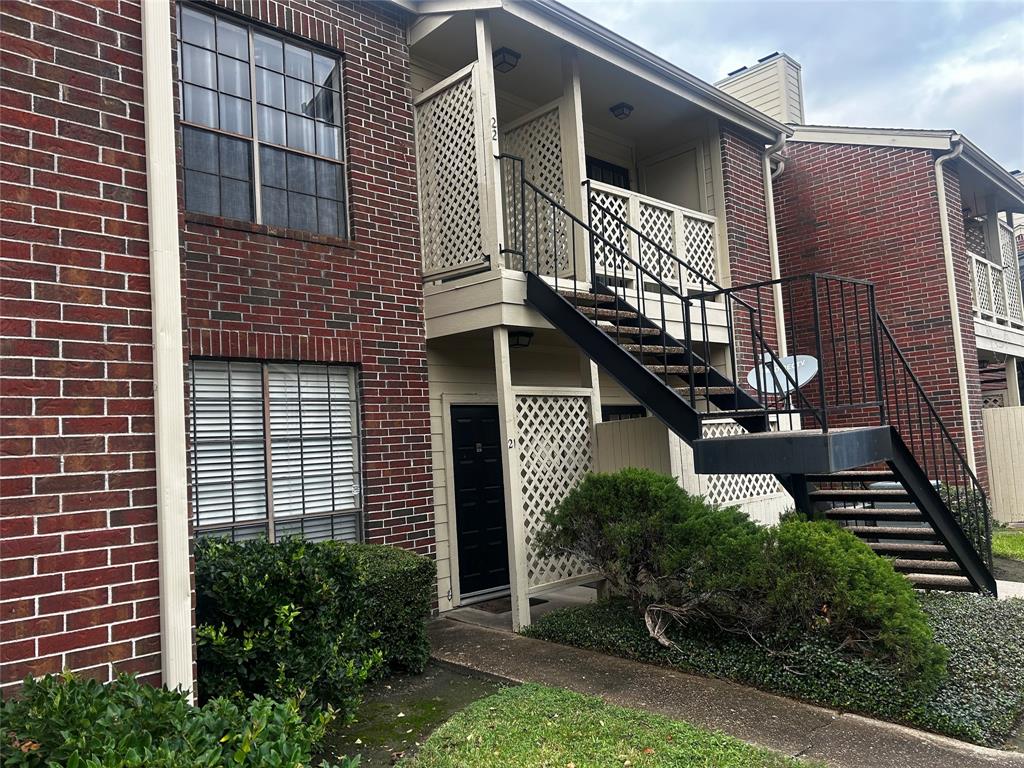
x=997 y=292
x=688 y=235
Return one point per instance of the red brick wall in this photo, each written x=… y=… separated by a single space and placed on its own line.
x=251 y=291
x=78 y=523
x=872 y=213
x=78 y=572
x=747 y=234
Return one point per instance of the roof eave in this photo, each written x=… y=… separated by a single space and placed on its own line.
x=992 y=171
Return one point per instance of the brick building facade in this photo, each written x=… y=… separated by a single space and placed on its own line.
x=79 y=584
x=871 y=213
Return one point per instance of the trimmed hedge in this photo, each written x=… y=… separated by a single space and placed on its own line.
x=313 y=618
x=67 y=721
x=398 y=590
x=980 y=701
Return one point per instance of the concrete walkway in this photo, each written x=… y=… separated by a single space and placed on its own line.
x=839 y=740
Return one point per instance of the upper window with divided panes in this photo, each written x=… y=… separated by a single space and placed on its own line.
x=262 y=126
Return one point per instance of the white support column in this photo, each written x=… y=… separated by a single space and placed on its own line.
x=574 y=161
x=490 y=203
x=1012 y=382
x=518 y=580
x=590 y=378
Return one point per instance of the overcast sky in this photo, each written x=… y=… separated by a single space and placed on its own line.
x=925 y=64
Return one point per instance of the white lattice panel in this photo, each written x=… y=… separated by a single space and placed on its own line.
x=998 y=292
x=699 y=248
x=982 y=294
x=728 y=489
x=993 y=399
x=658 y=224
x=539 y=143
x=606 y=221
x=1011 y=272
x=554 y=442
x=446 y=158
x=974 y=233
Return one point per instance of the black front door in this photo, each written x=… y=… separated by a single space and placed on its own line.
x=479 y=498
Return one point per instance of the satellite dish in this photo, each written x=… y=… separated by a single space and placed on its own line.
x=776 y=379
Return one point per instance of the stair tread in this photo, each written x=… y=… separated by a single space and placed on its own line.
x=853 y=476
x=891 y=531
x=606 y=312
x=860 y=493
x=906 y=564
x=889 y=546
x=577 y=296
x=699 y=390
x=628 y=330
x=676 y=369
x=939 y=581
x=653 y=348
x=868 y=513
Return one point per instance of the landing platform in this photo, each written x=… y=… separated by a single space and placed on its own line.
x=793 y=453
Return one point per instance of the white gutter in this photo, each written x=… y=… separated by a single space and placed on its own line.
x=168 y=375
x=773 y=240
x=954 y=306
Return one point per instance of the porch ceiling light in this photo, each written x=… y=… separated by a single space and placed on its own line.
x=505 y=59
x=622 y=110
x=519 y=339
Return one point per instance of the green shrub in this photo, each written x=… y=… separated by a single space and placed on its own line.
x=281 y=620
x=681 y=560
x=981 y=700
x=399 y=588
x=66 y=721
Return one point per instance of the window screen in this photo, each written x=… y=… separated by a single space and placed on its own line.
x=275 y=450
x=260 y=106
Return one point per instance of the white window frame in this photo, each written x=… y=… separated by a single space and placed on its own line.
x=270 y=521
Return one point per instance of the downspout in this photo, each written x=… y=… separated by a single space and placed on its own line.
x=168 y=375
x=773 y=240
x=954 y=305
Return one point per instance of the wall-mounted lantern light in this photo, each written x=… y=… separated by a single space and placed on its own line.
x=519 y=339
x=505 y=59
x=622 y=110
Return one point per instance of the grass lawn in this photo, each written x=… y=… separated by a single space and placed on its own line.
x=532 y=725
x=981 y=701
x=1008 y=543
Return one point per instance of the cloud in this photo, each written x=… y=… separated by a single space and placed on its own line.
x=955 y=64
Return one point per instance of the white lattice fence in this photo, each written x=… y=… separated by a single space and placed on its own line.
x=982 y=285
x=554 y=443
x=447 y=155
x=538 y=141
x=993 y=399
x=607 y=222
x=1011 y=273
x=728 y=489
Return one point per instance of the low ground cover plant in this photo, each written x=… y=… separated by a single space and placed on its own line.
x=981 y=699
x=532 y=725
x=681 y=562
x=316 y=619
x=61 y=720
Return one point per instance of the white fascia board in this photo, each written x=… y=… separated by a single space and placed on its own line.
x=581 y=32
x=423 y=26
x=992 y=171
x=874 y=137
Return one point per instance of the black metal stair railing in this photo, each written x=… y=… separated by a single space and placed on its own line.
x=545 y=238
x=864 y=378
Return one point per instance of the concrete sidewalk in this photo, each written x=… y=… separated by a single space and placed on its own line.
x=785 y=725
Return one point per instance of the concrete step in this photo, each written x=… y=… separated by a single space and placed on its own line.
x=855 y=476
x=867 y=513
x=913 y=551
x=653 y=349
x=940 y=582
x=926 y=566
x=700 y=390
x=585 y=297
x=676 y=370
x=620 y=314
x=891 y=532
x=627 y=330
x=859 y=494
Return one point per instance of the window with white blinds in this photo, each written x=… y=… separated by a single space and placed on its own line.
x=275 y=450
